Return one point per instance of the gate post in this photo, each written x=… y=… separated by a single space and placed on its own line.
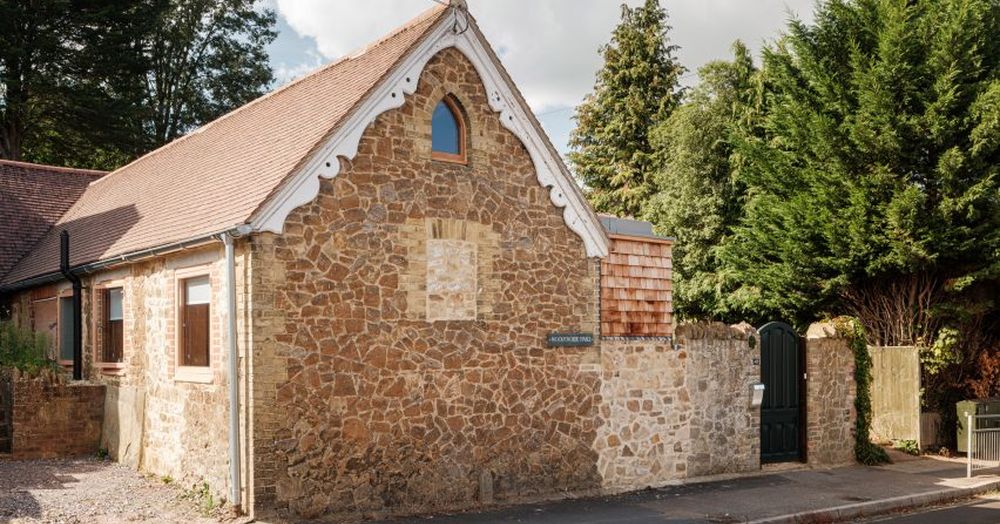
x=968 y=447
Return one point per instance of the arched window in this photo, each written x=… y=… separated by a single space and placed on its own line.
x=448 y=132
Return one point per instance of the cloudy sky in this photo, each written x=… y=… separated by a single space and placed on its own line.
x=549 y=46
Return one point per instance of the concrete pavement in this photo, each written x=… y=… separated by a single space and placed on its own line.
x=806 y=495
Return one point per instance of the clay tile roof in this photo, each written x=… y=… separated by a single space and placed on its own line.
x=214 y=178
x=32 y=198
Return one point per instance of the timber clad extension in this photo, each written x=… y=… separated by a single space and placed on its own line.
x=636 y=288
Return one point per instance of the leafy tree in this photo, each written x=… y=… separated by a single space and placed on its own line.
x=636 y=89
x=877 y=170
x=95 y=84
x=698 y=198
x=64 y=75
x=206 y=57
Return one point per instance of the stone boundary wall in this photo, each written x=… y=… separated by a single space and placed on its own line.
x=6 y=408
x=54 y=419
x=670 y=413
x=830 y=394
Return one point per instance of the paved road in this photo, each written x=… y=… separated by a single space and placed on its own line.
x=985 y=510
x=740 y=500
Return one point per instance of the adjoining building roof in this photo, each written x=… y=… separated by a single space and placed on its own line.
x=32 y=198
x=251 y=167
x=628 y=227
x=216 y=177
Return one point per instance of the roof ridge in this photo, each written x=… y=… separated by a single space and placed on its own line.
x=288 y=85
x=56 y=169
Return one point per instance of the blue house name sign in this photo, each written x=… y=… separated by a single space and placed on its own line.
x=570 y=339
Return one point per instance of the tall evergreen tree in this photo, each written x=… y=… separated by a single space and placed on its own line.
x=698 y=198
x=875 y=186
x=636 y=89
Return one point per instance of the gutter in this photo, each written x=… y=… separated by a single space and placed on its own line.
x=134 y=256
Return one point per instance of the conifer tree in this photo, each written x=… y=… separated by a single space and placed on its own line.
x=698 y=197
x=636 y=89
x=875 y=186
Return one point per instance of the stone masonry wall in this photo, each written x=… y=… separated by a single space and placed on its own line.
x=669 y=414
x=383 y=387
x=54 y=419
x=830 y=394
x=184 y=434
x=154 y=418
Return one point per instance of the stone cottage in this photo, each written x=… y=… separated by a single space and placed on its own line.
x=378 y=290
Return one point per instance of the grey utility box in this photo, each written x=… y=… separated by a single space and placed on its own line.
x=988 y=406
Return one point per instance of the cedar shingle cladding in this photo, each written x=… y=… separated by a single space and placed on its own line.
x=32 y=198
x=636 y=298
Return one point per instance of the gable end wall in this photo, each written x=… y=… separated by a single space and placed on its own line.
x=361 y=404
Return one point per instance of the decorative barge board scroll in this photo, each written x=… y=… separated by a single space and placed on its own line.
x=459 y=31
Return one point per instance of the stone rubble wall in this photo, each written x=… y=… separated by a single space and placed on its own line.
x=670 y=413
x=830 y=394
x=6 y=410
x=53 y=418
x=369 y=402
x=154 y=419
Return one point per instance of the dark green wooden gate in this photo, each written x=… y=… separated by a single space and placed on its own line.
x=782 y=418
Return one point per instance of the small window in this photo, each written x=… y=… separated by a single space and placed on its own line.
x=196 y=295
x=66 y=329
x=448 y=132
x=113 y=334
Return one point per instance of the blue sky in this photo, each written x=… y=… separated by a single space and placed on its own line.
x=549 y=46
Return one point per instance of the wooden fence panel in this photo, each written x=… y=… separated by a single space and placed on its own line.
x=895 y=393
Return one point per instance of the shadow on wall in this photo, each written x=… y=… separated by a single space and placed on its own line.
x=91 y=237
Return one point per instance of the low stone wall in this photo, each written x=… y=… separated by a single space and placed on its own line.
x=670 y=413
x=830 y=394
x=55 y=419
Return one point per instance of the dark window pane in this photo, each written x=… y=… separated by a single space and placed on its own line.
x=66 y=328
x=444 y=131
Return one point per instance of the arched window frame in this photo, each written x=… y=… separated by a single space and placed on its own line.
x=456 y=111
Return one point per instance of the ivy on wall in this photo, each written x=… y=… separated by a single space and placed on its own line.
x=865 y=451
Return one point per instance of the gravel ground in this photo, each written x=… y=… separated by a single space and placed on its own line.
x=91 y=491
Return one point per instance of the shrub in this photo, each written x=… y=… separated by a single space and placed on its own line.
x=23 y=349
x=865 y=451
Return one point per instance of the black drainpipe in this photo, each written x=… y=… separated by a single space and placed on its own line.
x=77 y=305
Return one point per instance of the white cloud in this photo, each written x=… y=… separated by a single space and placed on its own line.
x=285 y=72
x=550 y=47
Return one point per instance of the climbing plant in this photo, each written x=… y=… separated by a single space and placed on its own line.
x=865 y=451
